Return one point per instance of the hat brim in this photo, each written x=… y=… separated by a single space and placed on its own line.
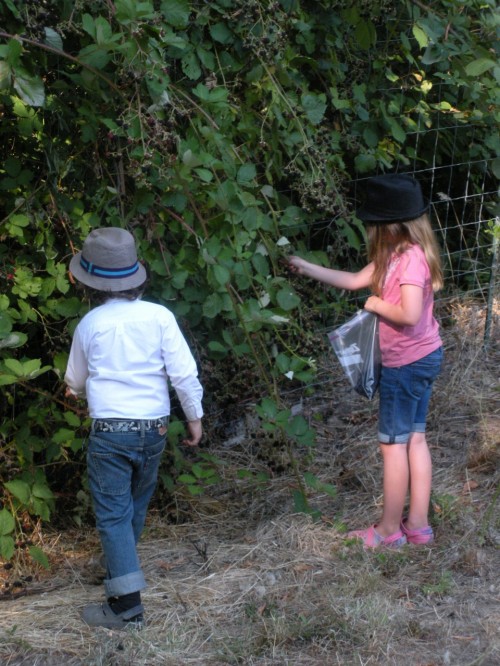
x=106 y=284
x=366 y=216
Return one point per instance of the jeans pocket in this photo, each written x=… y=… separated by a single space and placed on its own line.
x=151 y=462
x=425 y=371
x=109 y=469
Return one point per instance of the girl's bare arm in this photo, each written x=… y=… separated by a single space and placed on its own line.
x=331 y=276
x=407 y=313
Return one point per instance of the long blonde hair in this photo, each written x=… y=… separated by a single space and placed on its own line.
x=384 y=239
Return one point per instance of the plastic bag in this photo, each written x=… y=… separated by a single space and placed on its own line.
x=356 y=344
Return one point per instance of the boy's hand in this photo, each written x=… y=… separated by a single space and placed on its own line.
x=195 y=431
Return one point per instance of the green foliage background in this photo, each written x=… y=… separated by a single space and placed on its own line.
x=219 y=132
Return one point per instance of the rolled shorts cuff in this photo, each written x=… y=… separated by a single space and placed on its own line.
x=418 y=427
x=398 y=439
x=132 y=582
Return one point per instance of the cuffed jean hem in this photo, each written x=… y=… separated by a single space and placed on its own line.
x=399 y=439
x=131 y=582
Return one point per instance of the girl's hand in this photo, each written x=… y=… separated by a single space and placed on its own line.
x=372 y=304
x=296 y=264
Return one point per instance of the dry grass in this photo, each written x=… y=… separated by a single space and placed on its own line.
x=246 y=581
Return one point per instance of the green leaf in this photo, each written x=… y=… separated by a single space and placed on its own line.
x=7 y=522
x=300 y=502
x=215 y=346
x=221 y=33
x=88 y=25
x=297 y=426
x=20 y=490
x=95 y=56
x=129 y=10
x=72 y=419
x=314 y=107
x=432 y=54
x=205 y=175
x=203 y=472
x=5 y=324
x=5 y=75
x=12 y=8
x=313 y=482
x=479 y=66
x=365 y=163
x=7 y=547
x=195 y=490
x=176 y=12
x=191 y=66
x=68 y=307
x=495 y=167
x=63 y=436
x=212 y=306
x=267 y=409
x=260 y=264
x=103 y=32
x=366 y=34
x=40 y=508
x=31 y=367
x=14 y=366
x=53 y=38
x=420 y=36
x=42 y=491
x=396 y=130
x=39 y=556
x=187 y=478
x=370 y=137
x=221 y=274
x=29 y=88
x=287 y=298
x=13 y=340
x=7 y=379
x=246 y=173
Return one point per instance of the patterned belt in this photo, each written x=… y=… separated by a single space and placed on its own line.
x=128 y=425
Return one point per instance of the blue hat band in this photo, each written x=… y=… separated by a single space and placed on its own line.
x=111 y=273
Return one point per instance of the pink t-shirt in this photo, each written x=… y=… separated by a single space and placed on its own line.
x=400 y=345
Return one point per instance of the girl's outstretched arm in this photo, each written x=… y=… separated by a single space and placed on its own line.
x=331 y=276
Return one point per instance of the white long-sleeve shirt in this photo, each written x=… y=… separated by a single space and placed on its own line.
x=121 y=356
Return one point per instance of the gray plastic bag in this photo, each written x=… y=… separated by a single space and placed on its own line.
x=356 y=345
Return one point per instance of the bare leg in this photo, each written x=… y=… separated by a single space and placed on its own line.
x=419 y=460
x=396 y=478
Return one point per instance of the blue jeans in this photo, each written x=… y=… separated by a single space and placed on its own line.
x=123 y=470
x=404 y=398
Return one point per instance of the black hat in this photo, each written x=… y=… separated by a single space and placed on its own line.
x=392 y=198
x=108 y=261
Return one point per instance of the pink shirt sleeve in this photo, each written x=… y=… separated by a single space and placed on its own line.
x=401 y=345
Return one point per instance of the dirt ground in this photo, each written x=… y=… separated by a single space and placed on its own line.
x=245 y=580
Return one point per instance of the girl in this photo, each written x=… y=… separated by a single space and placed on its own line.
x=403 y=273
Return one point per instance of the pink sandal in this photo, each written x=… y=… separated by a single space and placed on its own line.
x=372 y=539
x=420 y=537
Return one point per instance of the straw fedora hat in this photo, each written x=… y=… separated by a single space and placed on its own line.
x=392 y=198
x=108 y=261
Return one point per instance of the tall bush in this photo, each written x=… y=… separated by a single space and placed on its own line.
x=220 y=133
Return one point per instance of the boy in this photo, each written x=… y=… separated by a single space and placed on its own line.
x=122 y=354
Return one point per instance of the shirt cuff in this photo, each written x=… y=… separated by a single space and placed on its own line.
x=193 y=412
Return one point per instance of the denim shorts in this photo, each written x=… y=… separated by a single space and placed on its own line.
x=404 y=398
